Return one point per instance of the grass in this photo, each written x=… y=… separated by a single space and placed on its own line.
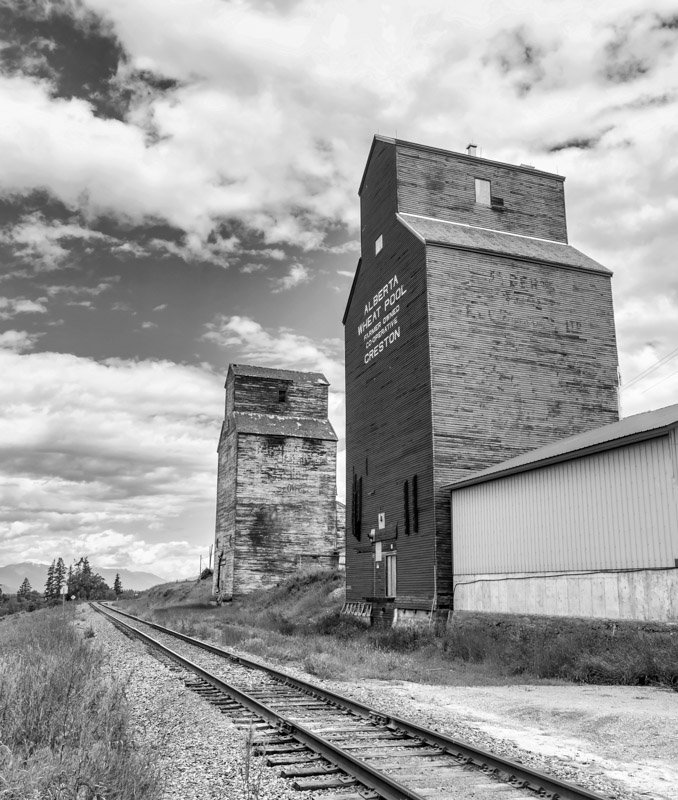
x=65 y=729
x=622 y=654
x=298 y=622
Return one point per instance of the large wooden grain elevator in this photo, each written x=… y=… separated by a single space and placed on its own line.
x=473 y=333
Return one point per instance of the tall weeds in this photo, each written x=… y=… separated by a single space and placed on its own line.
x=65 y=729
x=624 y=655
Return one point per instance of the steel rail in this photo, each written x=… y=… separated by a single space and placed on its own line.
x=372 y=778
x=522 y=775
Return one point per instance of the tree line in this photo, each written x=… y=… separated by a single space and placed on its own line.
x=79 y=581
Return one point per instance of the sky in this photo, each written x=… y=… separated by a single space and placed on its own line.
x=178 y=191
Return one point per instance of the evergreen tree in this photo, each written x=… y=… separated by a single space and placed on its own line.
x=24 y=590
x=59 y=575
x=86 y=584
x=49 y=585
x=117 y=585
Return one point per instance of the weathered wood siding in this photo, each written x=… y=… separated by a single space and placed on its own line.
x=436 y=183
x=494 y=354
x=276 y=487
x=286 y=511
x=225 y=524
x=522 y=355
x=388 y=429
x=304 y=397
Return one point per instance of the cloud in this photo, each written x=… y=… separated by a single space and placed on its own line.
x=11 y=306
x=42 y=243
x=251 y=267
x=161 y=307
x=89 y=447
x=75 y=290
x=265 y=117
x=352 y=246
x=194 y=248
x=18 y=341
x=297 y=276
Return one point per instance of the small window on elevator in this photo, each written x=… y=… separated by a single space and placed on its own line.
x=483 y=192
x=378 y=245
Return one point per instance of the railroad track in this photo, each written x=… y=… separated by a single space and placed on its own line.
x=334 y=746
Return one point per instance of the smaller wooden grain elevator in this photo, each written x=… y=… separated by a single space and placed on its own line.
x=276 y=484
x=473 y=333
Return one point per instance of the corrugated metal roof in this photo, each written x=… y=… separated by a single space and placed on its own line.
x=274 y=425
x=278 y=374
x=467 y=237
x=626 y=431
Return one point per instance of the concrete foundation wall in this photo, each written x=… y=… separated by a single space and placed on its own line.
x=637 y=595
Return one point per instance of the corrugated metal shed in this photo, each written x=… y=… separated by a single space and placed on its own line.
x=609 y=510
x=587 y=526
x=628 y=430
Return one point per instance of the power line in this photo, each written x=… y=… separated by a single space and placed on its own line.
x=665 y=378
x=651 y=369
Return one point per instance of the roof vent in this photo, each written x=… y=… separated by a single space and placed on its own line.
x=472 y=149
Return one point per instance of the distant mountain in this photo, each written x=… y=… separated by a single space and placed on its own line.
x=12 y=575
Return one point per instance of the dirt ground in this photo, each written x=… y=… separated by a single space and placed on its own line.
x=624 y=736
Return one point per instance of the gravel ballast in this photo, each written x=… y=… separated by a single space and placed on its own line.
x=617 y=741
x=202 y=754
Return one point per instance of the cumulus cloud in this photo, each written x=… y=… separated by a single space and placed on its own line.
x=11 y=306
x=74 y=290
x=45 y=243
x=18 y=341
x=251 y=267
x=118 y=445
x=194 y=248
x=269 y=114
x=298 y=275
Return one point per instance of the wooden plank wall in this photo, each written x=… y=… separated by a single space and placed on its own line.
x=494 y=356
x=305 y=397
x=439 y=184
x=225 y=522
x=523 y=354
x=286 y=507
x=388 y=427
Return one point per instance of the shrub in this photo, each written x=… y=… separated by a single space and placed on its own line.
x=583 y=652
x=401 y=640
x=66 y=730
